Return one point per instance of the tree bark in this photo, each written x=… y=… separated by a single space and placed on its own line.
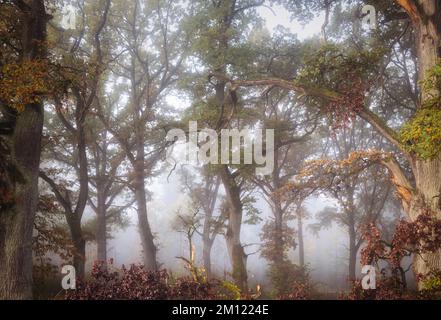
x=16 y=223
x=79 y=259
x=427 y=173
x=147 y=239
x=301 y=241
x=208 y=234
x=206 y=255
x=352 y=249
x=426 y=195
x=279 y=246
x=101 y=236
x=235 y=249
x=75 y=217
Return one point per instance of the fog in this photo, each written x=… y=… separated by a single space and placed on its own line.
x=326 y=253
x=231 y=149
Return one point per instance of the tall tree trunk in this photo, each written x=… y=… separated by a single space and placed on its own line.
x=427 y=173
x=208 y=234
x=279 y=245
x=16 y=223
x=76 y=232
x=147 y=239
x=206 y=255
x=427 y=195
x=301 y=241
x=235 y=248
x=278 y=235
x=425 y=15
x=101 y=238
x=352 y=249
x=103 y=188
x=74 y=216
x=139 y=166
x=191 y=251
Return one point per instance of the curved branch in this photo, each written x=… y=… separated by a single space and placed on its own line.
x=64 y=201
x=326 y=94
x=400 y=181
x=378 y=123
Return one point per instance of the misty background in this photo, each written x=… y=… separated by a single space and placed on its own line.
x=326 y=254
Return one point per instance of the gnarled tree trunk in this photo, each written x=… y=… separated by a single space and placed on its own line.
x=426 y=18
x=426 y=196
x=17 y=223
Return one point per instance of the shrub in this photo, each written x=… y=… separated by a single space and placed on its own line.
x=137 y=283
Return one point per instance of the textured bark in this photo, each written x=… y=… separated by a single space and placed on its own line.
x=426 y=18
x=235 y=248
x=427 y=173
x=16 y=223
x=426 y=195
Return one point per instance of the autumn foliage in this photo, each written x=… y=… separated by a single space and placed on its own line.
x=410 y=238
x=138 y=283
x=420 y=236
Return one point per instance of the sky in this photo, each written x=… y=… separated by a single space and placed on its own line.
x=277 y=15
